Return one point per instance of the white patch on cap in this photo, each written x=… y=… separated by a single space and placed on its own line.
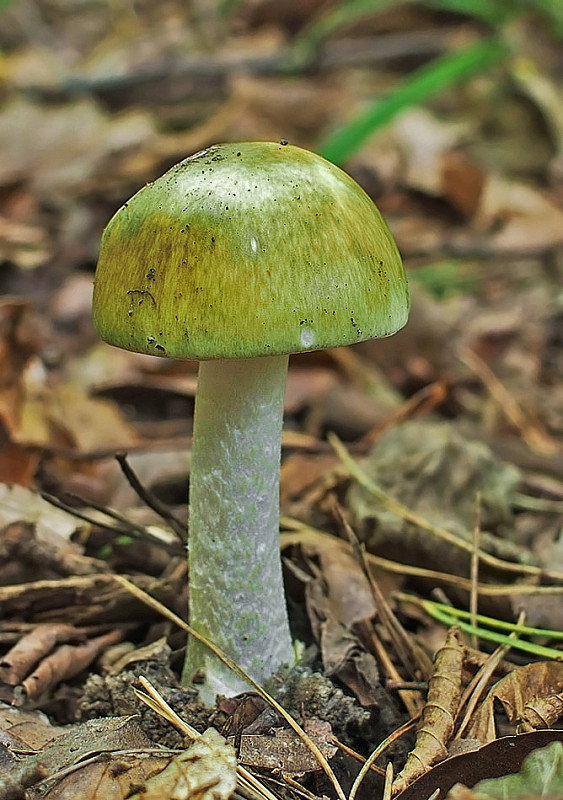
x=253 y=245
x=307 y=337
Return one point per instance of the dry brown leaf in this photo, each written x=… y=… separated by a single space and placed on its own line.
x=61 y=753
x=526 y=219
x=542 y=713
x=515 y=691
x=23 y=244
x=437 y=724
x=31 y=648
x=35 y=413
x=344 y=583
x=65 y=416
x=345 y=658
x=62 y=663
x=497 y=759
x=336 y=599
x=300 y=471
x=285 y=751
x=16 y=349
x=109 y=777
x=76 y=143
x=306 y=385
x=81 y=761
x=425 y=140
x=22 y=729
x=462 y=182
x=18 y=464
x=207 y=770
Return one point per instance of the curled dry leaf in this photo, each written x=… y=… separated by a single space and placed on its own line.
x=62 y=664
x=515 y=692
x=46 y=656
x=439 y=712
x=542 y=713
x=207 y=770
x=31 y=648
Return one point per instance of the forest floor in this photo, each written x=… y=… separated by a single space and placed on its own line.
x=422 y=475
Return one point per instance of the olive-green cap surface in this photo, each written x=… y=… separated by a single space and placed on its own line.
x=246 y=250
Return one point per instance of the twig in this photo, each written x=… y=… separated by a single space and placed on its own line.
x=300 y=532
x=393 y=505
x=132 y=530
x=149 y=498
x=532 y=431
x=474 y=567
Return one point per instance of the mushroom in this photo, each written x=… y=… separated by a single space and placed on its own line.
x=238 y=256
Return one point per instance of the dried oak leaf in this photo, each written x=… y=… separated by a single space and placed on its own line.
x=515 y=692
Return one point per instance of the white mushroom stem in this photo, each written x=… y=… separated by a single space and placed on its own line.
x=236 y=590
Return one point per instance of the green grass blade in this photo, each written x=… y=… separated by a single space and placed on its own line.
x=440 y=74
x=500 y=624
x=537 y=650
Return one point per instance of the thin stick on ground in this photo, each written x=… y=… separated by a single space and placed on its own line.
x=393 y=505
x=149 y=498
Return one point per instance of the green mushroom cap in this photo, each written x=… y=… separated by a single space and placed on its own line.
x=245 y=250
